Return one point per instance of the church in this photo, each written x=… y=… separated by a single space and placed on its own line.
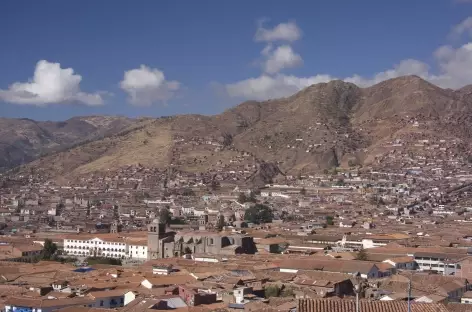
x=163 y=244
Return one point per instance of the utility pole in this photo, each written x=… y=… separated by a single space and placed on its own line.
x=357 y=298
x=357 y=290
x=409 y=294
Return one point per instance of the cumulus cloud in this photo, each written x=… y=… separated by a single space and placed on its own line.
x=454 y=70
x=270 y=87
x=464 y=27
x=404 y=68
x=50 y=84
x=282 y=32
x=146 y=86
x=280 y=58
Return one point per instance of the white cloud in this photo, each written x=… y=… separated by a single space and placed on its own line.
x=280 y=58
x=464 y=27
x=50 y=84
x=146 y=86
x=454 y=70
x=270 y=87
x=405 y=67
x=455 y=66
x=282 y=32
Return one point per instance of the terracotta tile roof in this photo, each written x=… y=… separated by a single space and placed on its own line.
x=402 y=259
x=333 y=305
x=330 y=265
x=171 y=280
x=459 y=307
x=108 y=293
x=326 y=276
x=48 y=303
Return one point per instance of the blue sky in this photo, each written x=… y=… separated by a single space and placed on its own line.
x=199 y=56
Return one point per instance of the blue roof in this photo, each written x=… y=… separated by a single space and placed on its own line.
x=84 y=269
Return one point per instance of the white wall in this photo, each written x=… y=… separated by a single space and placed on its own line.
x=77 y=247
x=137 y=252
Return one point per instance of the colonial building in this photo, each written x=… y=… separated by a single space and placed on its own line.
x=95 y=247
x=163 y=244
x=119 y=248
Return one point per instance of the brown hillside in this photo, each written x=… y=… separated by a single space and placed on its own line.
x=323 y=126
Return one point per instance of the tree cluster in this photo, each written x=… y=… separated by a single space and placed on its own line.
x=102 y=260
x=258 y=214
x=278 y=291
x=165 y=217
x=243 y=198
x=361 y=255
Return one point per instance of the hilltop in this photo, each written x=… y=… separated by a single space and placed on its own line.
x=23 y=140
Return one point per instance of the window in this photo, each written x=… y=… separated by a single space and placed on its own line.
x=101 y=303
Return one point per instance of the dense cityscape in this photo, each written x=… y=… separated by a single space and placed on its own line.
x=235 y=156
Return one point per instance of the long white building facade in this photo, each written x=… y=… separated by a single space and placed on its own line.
x=99 y=247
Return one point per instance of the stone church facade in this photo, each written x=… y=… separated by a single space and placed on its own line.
x=163 y=244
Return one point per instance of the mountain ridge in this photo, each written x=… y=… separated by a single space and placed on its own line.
x=323 y=126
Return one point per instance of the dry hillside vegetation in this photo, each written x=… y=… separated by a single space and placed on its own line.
x=323 y=126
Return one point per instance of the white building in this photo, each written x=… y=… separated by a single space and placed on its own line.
x=467 y=297
x=446 y=264
x=116 y=248
x=137 y=250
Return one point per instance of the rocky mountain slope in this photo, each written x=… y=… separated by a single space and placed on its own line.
x=22 y=140
x=323 y=126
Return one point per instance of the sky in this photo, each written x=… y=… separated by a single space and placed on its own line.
x=60 y=59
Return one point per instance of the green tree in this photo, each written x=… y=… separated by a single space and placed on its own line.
x=214 y=185
x=102 y=260
x=188 y=192
x=287 y=291
x=329 y=220
x=361 y=255
x=49 y=249
x=252 y=197
x=242 y=198
x=220 y=223
x=259 y=214
x=177 y=221
x=187 y=250
x=165 y=216
x=271 y=291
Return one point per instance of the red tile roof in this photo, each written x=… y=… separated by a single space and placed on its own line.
x=333 y=305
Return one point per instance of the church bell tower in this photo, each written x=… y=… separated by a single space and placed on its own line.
x=155 y=233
